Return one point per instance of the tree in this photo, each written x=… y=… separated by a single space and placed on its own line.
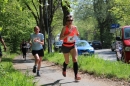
x=104 y=18
x=85 y=20
x=44 y=16
x=13 y=23
x=65 y=7
x=121 y=11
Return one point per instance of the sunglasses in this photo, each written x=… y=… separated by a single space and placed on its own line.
x=69 y=20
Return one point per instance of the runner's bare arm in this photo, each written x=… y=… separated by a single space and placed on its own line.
x=41 y=42
x=2 y=41
x=77 y=31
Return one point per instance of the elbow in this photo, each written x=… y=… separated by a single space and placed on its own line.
x=42 y=43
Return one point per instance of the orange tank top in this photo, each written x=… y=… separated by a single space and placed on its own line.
x=70 y=40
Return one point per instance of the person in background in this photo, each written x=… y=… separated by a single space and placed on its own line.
x=68 y=34
x=2 y=41
x=23 y=46
x=37 y=42
x=28 y=47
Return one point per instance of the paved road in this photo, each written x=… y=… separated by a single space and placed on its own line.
x=106 y=54
x=51 y=75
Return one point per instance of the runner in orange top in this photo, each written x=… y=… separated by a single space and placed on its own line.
x=68 y=34
x=70 y=40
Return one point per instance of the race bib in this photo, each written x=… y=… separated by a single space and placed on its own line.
x=36 y=38
x=70 y=39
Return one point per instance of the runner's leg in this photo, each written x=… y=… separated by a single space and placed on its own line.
x=74 y=55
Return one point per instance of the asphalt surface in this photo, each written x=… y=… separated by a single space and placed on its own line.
x=51 y=74
x=106 y=54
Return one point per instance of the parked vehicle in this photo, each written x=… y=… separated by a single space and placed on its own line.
x=124 y=38
x=97 y=44
x=90 y=42
x=84 y=48
x=58 y=45
x=113 y=46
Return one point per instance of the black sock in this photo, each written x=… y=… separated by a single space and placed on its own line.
x=75 y=68
x=64 y=66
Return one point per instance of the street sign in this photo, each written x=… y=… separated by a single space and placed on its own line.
x=114 y=26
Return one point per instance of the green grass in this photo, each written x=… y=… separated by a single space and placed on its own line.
x=11 y=77
x=95 y=66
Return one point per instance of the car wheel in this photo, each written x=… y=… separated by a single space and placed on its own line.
x=112 y=49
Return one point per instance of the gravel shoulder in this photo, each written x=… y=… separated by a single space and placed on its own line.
x=51 y=75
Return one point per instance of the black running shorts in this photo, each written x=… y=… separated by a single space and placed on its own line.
x=39 y=52
x=66 y=49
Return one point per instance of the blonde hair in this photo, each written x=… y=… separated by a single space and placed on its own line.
x=36 y=27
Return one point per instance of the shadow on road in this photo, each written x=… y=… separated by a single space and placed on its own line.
x=56 y=83
x=23 y=61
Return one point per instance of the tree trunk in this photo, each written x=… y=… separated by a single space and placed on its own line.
x=65 y=11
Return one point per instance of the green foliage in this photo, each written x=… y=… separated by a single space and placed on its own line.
x=54 y=57
x=16 y=23
x=94 y=19
x=10 y=76
x=83 y=10
x=57 y=24
x=13 y=77
x=121 y=10
x=87 y=28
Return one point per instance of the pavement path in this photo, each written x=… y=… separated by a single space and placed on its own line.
x=51 y=75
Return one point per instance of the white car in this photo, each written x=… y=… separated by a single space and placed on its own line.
x=58 y=45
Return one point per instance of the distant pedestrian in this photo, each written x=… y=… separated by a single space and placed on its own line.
x=28 y=47
x=2 y=41
x=37 y=40
x=68 y=35
x=23 y=46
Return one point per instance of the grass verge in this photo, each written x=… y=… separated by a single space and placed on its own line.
x=11 y=77
x=96 y=66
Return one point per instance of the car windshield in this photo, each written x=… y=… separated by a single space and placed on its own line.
x=127 y=33
x=96 y=42
x=82 y=43
x=59 y=43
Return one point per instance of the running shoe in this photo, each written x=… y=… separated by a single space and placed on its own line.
x=38 y=74
x=64 y=73
x=34 y=69
x=77 y=78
